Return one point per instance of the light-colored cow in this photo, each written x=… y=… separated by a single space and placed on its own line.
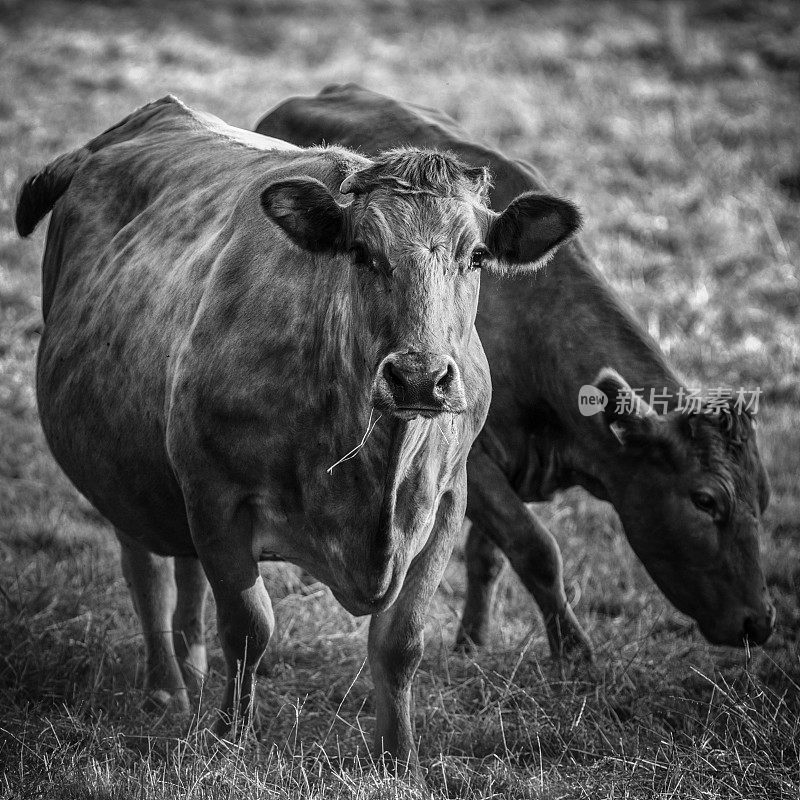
x=226 y=316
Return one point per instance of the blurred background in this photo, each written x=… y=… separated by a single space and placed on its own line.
x=675 y=128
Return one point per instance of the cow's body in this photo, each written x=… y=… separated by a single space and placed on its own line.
x=196 y=380
x=220 y=331
x=545 y=339
x=157 y=340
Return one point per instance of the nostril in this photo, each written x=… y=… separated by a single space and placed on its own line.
x=391 y=373
x=446 y=378
x=393 y=376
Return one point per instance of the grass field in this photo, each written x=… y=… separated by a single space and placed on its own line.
x=675 y=127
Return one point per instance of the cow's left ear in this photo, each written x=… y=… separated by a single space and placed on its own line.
x=530 y=230
x=306 y=212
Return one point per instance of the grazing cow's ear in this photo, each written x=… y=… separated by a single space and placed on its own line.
x=530 y=230
x=625 y=412
x=307 y=213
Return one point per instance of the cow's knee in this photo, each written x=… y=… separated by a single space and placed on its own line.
x=484 y=560
x=397 y=659
x=536 y=558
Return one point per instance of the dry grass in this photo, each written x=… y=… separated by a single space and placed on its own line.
x=675 y=127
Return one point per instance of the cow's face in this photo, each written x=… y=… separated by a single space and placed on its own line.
x=691 y=506
x=418 y=260
x=415 y=237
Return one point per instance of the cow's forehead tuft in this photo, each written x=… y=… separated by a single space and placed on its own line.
x=411 y=170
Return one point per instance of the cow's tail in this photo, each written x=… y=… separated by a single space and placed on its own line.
x=41 y=191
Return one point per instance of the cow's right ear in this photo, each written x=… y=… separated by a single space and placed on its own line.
x=306 y=212
x=527 y=234
x=625 y=413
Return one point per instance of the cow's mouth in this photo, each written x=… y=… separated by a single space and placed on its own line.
x=412 y=412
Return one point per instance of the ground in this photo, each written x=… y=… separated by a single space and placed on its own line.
x=674 y=126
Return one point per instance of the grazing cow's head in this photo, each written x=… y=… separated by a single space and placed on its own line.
x=415 y=237
x=692 y=510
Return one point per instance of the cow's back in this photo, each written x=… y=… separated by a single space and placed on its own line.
x=345 y=111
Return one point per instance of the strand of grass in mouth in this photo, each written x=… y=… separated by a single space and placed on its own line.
x=371 y=427
x=354 y=452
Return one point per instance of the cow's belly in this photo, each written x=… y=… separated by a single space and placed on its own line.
x=105 y=426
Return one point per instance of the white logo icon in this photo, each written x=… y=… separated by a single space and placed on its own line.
x=591 y=400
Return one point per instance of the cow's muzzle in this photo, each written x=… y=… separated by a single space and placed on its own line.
x=754 y=625
x=408 y=385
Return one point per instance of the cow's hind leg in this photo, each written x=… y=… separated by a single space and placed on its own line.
x=151 y=582
x=188 y=622
x=484 y=563
x=530 y=548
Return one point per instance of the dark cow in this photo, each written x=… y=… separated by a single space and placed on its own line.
x=221 y=329
x=689 y=488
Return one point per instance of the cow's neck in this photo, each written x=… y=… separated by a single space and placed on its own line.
x=600 y=331
x=573 y=326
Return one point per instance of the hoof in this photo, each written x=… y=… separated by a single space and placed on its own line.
x=568 y=640
x=465 y=646
x=236 y=730
x=166 y=703
x=575 y=651
x=405 y=769
x=468 y=641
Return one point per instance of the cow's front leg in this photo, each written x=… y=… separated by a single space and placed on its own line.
x=152 y=586
x=223 y=539
x=396 y=641
x=531 y=549
x=188 y=622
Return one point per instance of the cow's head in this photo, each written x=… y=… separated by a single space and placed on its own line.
x=691 y=500
x=415 y=237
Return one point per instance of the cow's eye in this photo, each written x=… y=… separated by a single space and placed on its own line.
x=478 y=258
x=706 y=502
